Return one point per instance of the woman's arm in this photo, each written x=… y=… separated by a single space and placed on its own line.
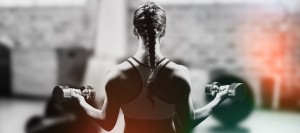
x=107 y=116
x=188 y=116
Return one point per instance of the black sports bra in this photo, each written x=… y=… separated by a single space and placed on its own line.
x=140 y=107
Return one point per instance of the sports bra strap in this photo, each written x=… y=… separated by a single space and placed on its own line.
x=159 y=68
x=135 y=63
x=131 y=63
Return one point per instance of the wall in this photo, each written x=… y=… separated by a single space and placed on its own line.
x=36 y=34
x=249 y=40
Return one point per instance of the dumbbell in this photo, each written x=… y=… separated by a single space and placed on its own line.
x=236 y=91
x=63 y=93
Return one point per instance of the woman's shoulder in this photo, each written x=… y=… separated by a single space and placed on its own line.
x=180 y=76
x=116 y=76
x=118 y=71
x=180 y=71
x=123 y=78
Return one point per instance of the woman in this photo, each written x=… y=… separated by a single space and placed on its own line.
x=149 y=88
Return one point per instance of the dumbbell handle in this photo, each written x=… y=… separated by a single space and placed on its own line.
x=64 y=93
x=235 y=90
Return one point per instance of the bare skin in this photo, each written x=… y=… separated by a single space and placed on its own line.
x=119 y=82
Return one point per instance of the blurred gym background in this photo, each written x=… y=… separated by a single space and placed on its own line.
x=44 y=43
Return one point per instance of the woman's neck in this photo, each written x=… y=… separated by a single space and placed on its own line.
x=142 y=52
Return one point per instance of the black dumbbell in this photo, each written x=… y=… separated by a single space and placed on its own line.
x=63 y=93
x=236 y=91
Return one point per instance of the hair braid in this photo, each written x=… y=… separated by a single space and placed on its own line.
x=150 y=22
x=150 y=36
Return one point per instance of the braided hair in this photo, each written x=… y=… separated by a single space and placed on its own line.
x=150 y=22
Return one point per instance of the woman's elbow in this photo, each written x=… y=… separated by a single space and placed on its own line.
x=186 y=125
x=108 y=126
x=186 y=122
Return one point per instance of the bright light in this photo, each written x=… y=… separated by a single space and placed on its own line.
x=25 y=3
x=289 y=2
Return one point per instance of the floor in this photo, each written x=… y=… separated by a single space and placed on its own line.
x=15 y=112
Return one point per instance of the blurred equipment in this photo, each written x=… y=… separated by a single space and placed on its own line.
x=63 y=93
x=231 y=112
x=66 y=117
x=38 y=124
x=236 y=91
x=5 y=70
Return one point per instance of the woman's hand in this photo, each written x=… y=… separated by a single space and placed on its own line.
x=223 y=93
x=77 y=96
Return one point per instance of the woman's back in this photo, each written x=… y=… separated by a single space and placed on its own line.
x=140 y=113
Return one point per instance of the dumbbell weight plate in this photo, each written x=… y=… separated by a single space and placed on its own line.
x=59 y=95
x=63 y=93
x=237 y=91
